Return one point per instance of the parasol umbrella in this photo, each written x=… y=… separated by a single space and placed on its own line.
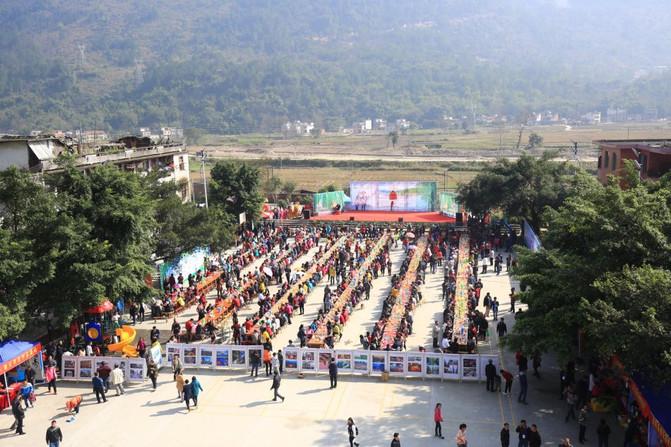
x=299 y=273
x=268 y=271
x=410 y=234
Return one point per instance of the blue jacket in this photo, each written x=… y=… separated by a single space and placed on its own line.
x=196 y=387
x=98 y=383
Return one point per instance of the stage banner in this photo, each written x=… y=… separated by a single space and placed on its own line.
x=325 y=202
x=415 y=364
x=397 y=363
x=291 y=359
x=361 y=361
x=344 y=361
x=451 y=366
x=309 y=359
x=432 y=365
x=404 y=196
x=448 y=204
x=324 y=359
x=530 y=239
x=469 y=367
x=222 y=356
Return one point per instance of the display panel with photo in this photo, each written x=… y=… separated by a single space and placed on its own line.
x=450 y=366
x=206 y=356
x=344 y=361
x=397 y=363
x=308 y=360
x=238 y=357
x=469 y=367
x=223 y=357
x=324 y=360
x=189 y=356
x=85 y=368
x=361 y=360
x=432 y=365
x=378 y=362
x=290 y=358
x=415 y=364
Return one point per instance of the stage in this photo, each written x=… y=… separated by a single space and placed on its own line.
x=386 y=216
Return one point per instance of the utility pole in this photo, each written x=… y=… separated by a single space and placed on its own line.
x=202 y=159
x=82 y=53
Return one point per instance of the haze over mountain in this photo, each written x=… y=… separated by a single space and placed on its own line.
x=240 y=65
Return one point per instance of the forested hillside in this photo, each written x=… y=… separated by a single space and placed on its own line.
x=239 y=65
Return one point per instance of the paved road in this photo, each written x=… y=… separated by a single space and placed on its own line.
x=237 y=409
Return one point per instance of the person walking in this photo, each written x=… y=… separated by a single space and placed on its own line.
x=536 y=363
x=435 y=333
x=104 y=371
x=179 y=384
x=177 y=366
x=276 y=387
x=438 y=418
x=187 y=392
x=275 y=362
x=255 y=361
x=523 y=387
x=196 y=388
x=19 y=413
x=280 y=358
x=603 y=431
x=522 y=434
x=490 y=373
x=462 y=441
x=501 y=328
x=117 y=380
x=495 y=309
x=50 y=377
x=98 y=387
x=571 y=399
x=54 y=435
x=534 y=437
x=513 y=298
x=352 y=432
x=583 y=417
x=505 y=435
x=333 y=373
x=27 y=392
x=396 y=441
x=152 y=373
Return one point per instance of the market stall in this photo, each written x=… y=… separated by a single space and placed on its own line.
x=13 y=354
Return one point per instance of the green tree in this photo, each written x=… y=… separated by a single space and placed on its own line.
x=521 y=189
x=271 y=186
x=605 y=251
x=16 y=282
x=535 y=140
x=181 y=227
x=288 y=188
x=236 y=189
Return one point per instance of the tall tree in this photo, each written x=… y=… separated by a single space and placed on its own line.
x=604 y=250
x=521 y=189
x=236 y=189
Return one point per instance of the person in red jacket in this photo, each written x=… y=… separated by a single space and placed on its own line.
x=438 y=418
x=508 y=378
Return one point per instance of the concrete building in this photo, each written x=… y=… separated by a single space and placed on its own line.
x=652 y=158
x=29 y=153
x=38 y=155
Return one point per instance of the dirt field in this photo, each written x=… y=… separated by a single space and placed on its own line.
x=418 y=155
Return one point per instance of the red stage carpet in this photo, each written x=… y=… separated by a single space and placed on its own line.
x=387 y=216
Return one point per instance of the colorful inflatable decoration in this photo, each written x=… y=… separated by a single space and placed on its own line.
x=93 y=332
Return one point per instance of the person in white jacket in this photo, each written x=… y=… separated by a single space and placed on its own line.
x=116 y=377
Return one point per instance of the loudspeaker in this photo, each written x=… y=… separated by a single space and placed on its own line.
x=400 y=220
x=460 y=219
x=351 y=217
x=306 y=214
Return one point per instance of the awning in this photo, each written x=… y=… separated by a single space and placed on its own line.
x=13 y=353
x=103 y=307
x=41 y=150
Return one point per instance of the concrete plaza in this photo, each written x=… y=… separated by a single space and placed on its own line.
x=238 y=410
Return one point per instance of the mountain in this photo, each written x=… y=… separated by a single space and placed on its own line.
x=243 y=65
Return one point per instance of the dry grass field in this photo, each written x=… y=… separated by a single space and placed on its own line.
x=418 y=155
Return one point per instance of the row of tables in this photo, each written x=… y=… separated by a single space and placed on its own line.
x=317 y=340
x=460 y=326
x=404 y=294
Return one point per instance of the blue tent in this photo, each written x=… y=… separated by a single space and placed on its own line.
x=13 y=353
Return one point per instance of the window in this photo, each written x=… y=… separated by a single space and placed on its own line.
x=599 y=162
x=605 y=160
x=181 y=162
x=614 y=161
x=644 y=163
